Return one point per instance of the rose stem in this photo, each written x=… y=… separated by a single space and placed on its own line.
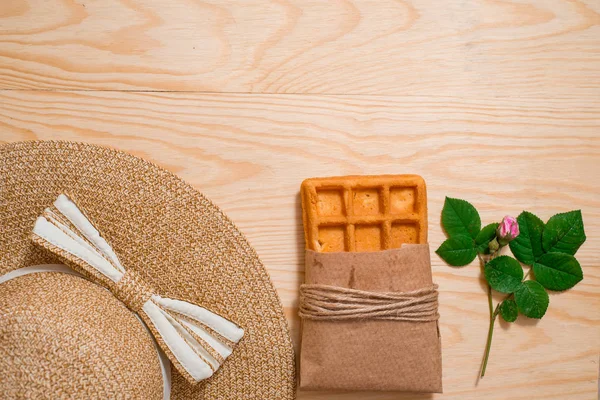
x=493 y=314
x=488 y=345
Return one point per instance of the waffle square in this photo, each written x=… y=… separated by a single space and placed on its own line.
x=364 y=213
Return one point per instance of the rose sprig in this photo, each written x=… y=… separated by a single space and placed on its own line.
x=548 y=249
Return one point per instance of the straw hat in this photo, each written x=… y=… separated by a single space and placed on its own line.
x=189 y=312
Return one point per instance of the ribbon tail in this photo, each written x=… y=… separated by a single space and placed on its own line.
x=222 y=326
x=196 y=340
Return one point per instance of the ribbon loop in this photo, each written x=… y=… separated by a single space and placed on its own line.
x=196 y=340
x=132 y=291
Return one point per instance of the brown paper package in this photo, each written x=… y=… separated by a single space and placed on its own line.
x=371 y=354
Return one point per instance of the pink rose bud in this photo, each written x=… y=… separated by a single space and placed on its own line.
x=507 y=230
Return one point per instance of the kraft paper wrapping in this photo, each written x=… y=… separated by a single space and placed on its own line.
x=371 y=354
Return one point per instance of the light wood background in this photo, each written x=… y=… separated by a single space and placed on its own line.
x=494 y=101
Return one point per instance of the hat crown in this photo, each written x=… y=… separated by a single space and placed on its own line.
x=79 y=342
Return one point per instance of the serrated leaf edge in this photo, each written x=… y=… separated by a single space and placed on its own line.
x=493 y=261
x=566 y=233
x=453 y=238
x=461 y=220
x=545 y=266
x=522 y=284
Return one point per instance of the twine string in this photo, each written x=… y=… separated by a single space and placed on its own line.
x=333 y=303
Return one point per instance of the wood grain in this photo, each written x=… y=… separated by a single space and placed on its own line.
x=495 y=101
x=488 y=48
x=249 y=153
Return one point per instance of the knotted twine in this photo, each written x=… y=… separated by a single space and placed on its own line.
x=332 y=303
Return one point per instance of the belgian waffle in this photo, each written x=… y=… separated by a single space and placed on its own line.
x=364 y=213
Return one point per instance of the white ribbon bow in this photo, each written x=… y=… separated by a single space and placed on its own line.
x=196 y=340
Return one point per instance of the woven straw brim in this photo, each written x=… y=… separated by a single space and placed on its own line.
x=169 y=234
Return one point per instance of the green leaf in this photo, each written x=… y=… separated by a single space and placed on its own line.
x=557 y=271
x=484 y=237
x=459 y=217
x=564 y=233
x=527 y=247
x=458 y=251
x=504 y=274
x=508 y=310
x=532 y=300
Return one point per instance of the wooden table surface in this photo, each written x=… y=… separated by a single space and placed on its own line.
x=494 y=101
